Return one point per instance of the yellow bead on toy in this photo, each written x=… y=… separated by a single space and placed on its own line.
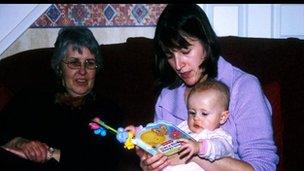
x=128 y=144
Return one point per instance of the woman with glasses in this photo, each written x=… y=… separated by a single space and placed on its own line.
x=48 y=129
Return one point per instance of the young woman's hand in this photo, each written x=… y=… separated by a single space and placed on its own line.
x=151 y=163
x=176 y=159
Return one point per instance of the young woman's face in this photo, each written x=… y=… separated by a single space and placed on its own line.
x=78 y=81
x=186 y=61
x=205 y=111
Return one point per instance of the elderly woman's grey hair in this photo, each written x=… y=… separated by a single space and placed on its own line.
x=77 y=38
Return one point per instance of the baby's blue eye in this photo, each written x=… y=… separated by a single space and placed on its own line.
x=204 y=113
x=191 y=113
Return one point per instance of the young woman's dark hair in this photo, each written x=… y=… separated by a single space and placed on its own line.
x=76 y=37
x=177 y=22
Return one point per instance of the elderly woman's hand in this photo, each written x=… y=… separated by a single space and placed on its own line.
x=31 y=150
x=35 y=150
x=15 y=151
x=151 y=163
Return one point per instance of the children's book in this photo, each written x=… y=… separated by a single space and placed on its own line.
x=161 y=137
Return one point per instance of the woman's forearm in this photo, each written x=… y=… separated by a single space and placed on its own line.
x=16 y=152
x=224 y=164
x=15 y=143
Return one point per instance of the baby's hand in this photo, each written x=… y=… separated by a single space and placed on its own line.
x=131 y=129
x=125 y=136
x=122 y=133
x=188 y=149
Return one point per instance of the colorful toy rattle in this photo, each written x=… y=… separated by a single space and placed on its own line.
x=122 y=136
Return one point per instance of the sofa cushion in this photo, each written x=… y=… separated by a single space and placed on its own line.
x=272 y=91
x=127 y=78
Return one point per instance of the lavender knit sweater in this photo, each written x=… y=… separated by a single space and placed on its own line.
x=249 y=123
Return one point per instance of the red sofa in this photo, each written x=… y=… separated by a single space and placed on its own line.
x=128 y=79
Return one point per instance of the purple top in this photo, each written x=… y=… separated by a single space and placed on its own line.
x=249 y=123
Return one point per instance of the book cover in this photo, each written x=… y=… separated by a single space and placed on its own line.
x=161 y=137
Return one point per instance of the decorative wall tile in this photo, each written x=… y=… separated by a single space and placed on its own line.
x=139 y=12
x=109 y=12
x=100 y=15
x=53 y=13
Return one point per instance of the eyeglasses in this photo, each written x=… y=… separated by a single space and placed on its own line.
x=74 y=63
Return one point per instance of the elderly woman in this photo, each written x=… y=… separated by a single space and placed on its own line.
x=48 y=129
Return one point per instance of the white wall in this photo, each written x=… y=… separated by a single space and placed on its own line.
x=15 y=19
x=244 y=20
x=257 y=20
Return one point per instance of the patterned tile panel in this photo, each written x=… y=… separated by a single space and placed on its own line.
x=100 y=15
x=139 y=12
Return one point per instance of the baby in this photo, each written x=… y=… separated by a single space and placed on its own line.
x=207 y=105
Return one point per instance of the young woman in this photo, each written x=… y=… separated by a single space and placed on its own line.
x=188 y=52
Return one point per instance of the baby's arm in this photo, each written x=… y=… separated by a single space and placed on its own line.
x=216 y=149
x=210 y=149
x=217 y=146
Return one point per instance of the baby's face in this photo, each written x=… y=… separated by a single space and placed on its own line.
x=204 y=111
